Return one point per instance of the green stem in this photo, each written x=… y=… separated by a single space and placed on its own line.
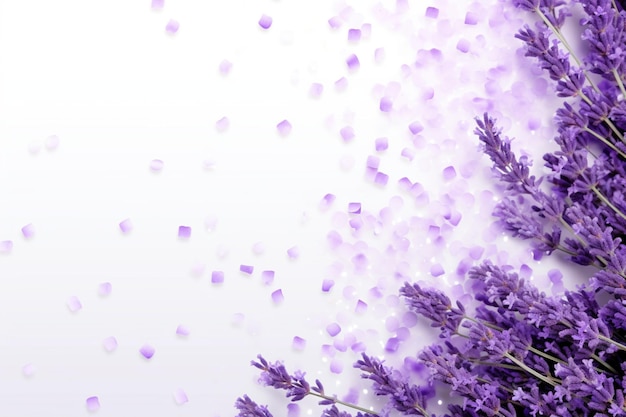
x=613 y=342
x=608 y=202
x=547 y=379
x=354 y=406
x=605 y=141
x=603 y=363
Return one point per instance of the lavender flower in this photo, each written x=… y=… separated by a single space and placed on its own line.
x=248 y=408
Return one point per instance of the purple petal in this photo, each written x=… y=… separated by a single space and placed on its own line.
x=463 y=45
x=336 y=366
x=449 y=173
x=267 y=277
x=381 y=178
x=284 y=128
x=73 y=303
x=379 y=55
x=293 y=410
x=258 y=248
x=172 y=26
x=415 y=127
x=409 y=319
x=182 y=330
x=333 y=329
x=180 y=397
x=222 y=124
x=92 y=403
x=52 y=142
x=6 y=246
x=372 y=162
x=354 y=208
x=147 y=351
x=109 y=344
x=28 y=370
x=385 y=105
x=316 y=90
x=327 y=284
x=126 y=225
x=556 y=276
x=327 y=201
x=184 y=232
x=265 y=21
x=341 y=84
x=298 y=343
x=408 y=153
x=432 y=12
x=293 y=252
x=361 y=307
x=471 y=18
x=225 y=67
x=347 y=133
x=156 y=165
x=246 y=269
x=28 y=231
x=104 y=289
x=334 y=22
x=157 y=4
x=217 y=277
x=354 y=35
x=381 y=144
x=392 y=344
x=277 y=296
x=436 y=270
x=353 y=62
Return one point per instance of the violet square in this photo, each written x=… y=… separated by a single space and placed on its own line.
x=184 y=232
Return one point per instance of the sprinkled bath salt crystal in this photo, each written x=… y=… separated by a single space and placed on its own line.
x=327 y=201
x=415 y=127
x=225 y=67
x=28 y=231
x=327 y=284
x=172 y=26
x=126 y=226
x=449 y=173
x=104 y=289
x=74 y=304
x=156 y=165
x=392 y=345
x=463 y=45
x=385 y=105
x=436 y=270
x=336 y=366
x=217 y=277
x=277 y=296
x=381 y=144
x=182 y=330
x=333 y=329
x=222 y=124
x=341 y=84
x=334 y=22
x=298 y=343
x=6 y=246
x=361 y=307
x=267 y=277
x=293 y=410
x=92 y=403
x=157 y=4
x=354 y=208
x=432 y=12
x=381 y=178
x=347 y=133
x=265 y=22
x=52 y=142
x=28 y=370
x=184 y=232
x=293 y=252
x=316 y=90
x=408 y=153
x=180 y=397
x=284 y=128
x=109 y=344
x=246 y=269
x=354 y=35
x=147 y=351
x=353 y=62
x=471 y=18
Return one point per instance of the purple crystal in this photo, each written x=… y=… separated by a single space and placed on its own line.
x=147 y=351
x=184 y=232
x=93 y=403
x=265 y=21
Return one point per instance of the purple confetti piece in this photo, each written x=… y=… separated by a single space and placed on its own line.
x=157 y=4
x=556 y=276
x=225 y=67
x=436 y=270
x=403 y=334
x=354 y=208
x=336 y=366
x=449 y=173
x=340 y=345
x=334 y=239
x=222 y=124
x=354 y=35
x=284 y=128
x=334 y=22
x=28 y=370
x=293 y=410
x=328 y=351
x=385 y=104
x=327 y=284
x=333 y=329
x=52 y=142
x=184 y=232
x=217 y=277
x=265 y=22
x=361 y=307
x=28 y=231
x=267 y=277
x=104 y=289
x=147 y=351
x=379 y=55
x=109 y=344
x=293 y=252
x=463 y=45
x=392 y=344
x=156 y=165
x=180 y=397
x=432 y=12
x=408 y=153
x=277 y=296
x=372 y=162
x=172 y=26
x=327 y=201
x=347 y=133
x=341 y=84
x=316 y=90
x=471 y=18
x=298 y=343
x=381 y=178
x=381 y=144
x=409 y=319
x=356 y=223
x=366 y=30
x=415 y=127
x=93 y=403
x=246 y=269
x=353 y=62
x=73 y=303
x=6 y=246
x=258 y=248
x=126 y=225
x=358 y=347
x=182 y=330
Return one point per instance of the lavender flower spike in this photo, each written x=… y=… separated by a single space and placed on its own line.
x=434 y=305
x=248 y=408
x=275 y=375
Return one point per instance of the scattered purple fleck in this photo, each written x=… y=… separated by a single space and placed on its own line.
x=333 y=329
x=258 y=248
x=354 y=208
x=403 y=334
x=471 y=18
x=356 y=223
x=73 y=303
x=28 y=370
x=293 y=252
x=52 y=142
x=409 y=319
x=222 y=124
x=28 y=231
x=454 y=217
x=298 y=343
x=277 y=296
x=334 y=22
x=328 y=351
x=349 y=292
x=381 y=144
x=6 y=246
x=157 y=4
x=284 y=128
x=246 y=269
x=182 y=330
x=463 y=45
x=336 y=366
x=408 y=153
x=347 y=133
x=341 y=84
x=147 y=351
x=376 y=292
x=476 y=252
x=267 y=277
x=104 y=289
x=358 y=347
x=126 y=225
x=353 y=62
x=392 y=345
x=416 y=127
x=354 y=35
x=379 y=55
x=109 y=344
x=432 y=12
x=293 y=410
x=534 y=124
x=340 y=345
x=156 y=165
x=366 y=30
x=385 y=104
x=361 y=307
x=217 y=277
x=372 y=162
x=327 y=201
x=334 y=239
x=327 y=284
x=180 y=397
x=402 y=6
x=525 y=271
x=316 y=90
x=265 y=21
x=381 y=178
x=556 y=276
x=225 y=67
x=428 y=93
x=436 y=270
x=184 y=232
x=172 y=26
x=92 y=403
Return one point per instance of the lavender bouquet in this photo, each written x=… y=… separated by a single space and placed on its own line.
x=518 y=351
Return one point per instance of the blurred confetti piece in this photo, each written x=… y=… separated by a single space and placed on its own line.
x=225 y=67
x=52 y=142
x=246 y=269
x=147 y=351
x=109 y=344
x=267 y=277
x=28 y=231
x=157 y=4
x=6 y=246
x=298 y=343
x=333 y=329
x=74 y=304
x=104 y=289
x=182 y=330
x=265 y=22
x=172 y=26
x=217 y=277
x=28 y=370
x=222 y=124
x=184 y=232
x=156 y=165
x=284 y=128
x=180 y=397
x=93 y=403
x=126 y=225
x=277 y=296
